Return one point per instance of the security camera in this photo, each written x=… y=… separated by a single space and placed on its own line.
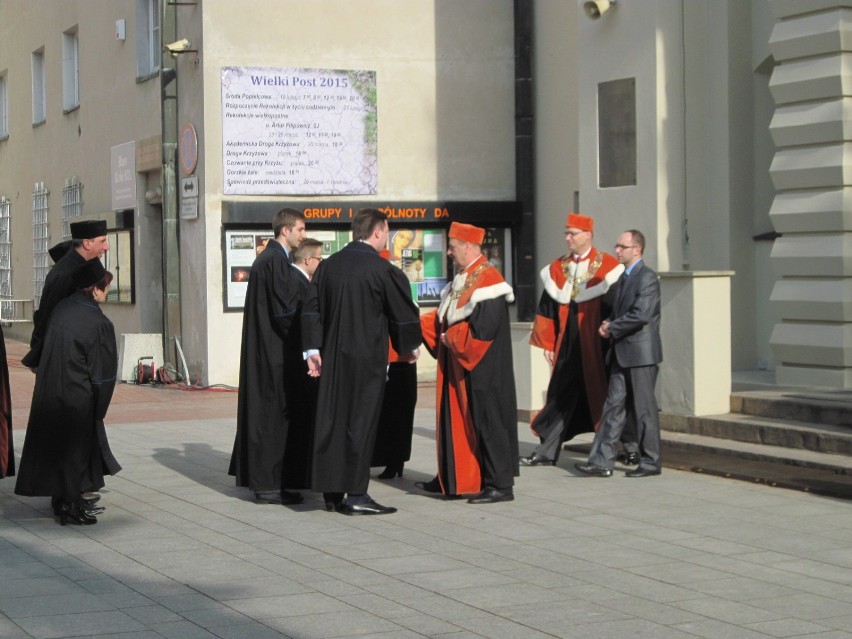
x=181 y=46
x=596 y=8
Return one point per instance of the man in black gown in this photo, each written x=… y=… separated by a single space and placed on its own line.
x=65 y=449
x=88 y=241
x=359 y=300
x=264 y=407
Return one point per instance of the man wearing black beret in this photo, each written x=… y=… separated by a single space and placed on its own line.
x=88 y=241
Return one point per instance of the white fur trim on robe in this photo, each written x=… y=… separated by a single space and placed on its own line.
x=575 y=270
x=456 y=314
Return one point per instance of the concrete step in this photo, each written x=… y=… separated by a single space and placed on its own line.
x=840 y=465
x=817 y=473
x=827 y=406
x=767 y=431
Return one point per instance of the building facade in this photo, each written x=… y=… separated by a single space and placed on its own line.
x=661 y=115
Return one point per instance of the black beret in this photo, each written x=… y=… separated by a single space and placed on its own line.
x=89 y=274
x=88 y=230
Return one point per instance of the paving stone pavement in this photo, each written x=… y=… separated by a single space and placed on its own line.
x=181 y=552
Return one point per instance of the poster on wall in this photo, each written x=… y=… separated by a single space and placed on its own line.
x=431 y=269
x=241 y=248
x=299 y=131
x=420 y=253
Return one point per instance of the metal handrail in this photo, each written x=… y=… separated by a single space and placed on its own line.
x=14 y=311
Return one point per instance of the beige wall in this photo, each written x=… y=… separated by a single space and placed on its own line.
x=704 y=149
x=114 y=109
x=445 y=79
x=557 y=122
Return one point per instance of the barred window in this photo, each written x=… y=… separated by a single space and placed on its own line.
x=72 y=204
x=5 y=256
x=41 y=262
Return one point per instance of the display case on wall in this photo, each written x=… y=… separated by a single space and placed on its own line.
x=420 y=253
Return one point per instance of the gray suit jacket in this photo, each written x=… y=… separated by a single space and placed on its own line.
x=635 y=321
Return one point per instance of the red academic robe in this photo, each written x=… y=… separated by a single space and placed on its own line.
x=572 y=299
x=476 y=435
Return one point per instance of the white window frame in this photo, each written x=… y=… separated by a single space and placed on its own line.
x=39 y=94
x=70 y=70
x=147 y=38
x=72 y=204
x=41 y=263
x=4 y=107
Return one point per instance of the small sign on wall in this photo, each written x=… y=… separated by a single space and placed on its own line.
x=123 y=176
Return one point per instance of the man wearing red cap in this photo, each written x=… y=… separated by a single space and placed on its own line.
x=578 y=292
x=477 y=430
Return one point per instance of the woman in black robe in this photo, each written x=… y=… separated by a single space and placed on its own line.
x=396 y=422
x=65 y=449
x=7 y=450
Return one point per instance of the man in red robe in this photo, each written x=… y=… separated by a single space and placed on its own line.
x=578 y=292
x=477 y=427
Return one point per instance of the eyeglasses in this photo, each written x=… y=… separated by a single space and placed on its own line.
x=311 y=257
x=574 y=233
x=625 y=246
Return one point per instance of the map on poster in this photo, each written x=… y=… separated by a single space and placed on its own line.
x=299 y=131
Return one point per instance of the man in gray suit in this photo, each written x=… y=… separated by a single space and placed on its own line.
x=634 y=328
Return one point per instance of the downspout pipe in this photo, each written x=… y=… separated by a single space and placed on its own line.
x=171 y=244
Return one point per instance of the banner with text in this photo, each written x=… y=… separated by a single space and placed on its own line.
x=299 y=131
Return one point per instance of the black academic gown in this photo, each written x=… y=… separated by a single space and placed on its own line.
x=567 y=403
x=301 y=391
x=359 y=299
x=63 y=453
x=396 y=421
x=7 y=449
x=270 y=359
x=58 y=285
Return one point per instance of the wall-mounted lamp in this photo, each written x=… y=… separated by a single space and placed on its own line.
x=181 y=46
x=596 y=8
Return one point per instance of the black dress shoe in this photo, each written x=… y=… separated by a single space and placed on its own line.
x=367 y=508
x=74 y=514
x=536 y=460
x=431 y=486
x=289 y=498
x=631 y=459
x=391 y=471
x=86 y=504
x=592 y=469
x=269 y=497
x=641 y=472
x=492 y=496
x=333 y=501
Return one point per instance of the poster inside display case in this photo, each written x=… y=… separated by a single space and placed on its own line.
x=420 y=253
x=422 y=256
x=243 y=246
